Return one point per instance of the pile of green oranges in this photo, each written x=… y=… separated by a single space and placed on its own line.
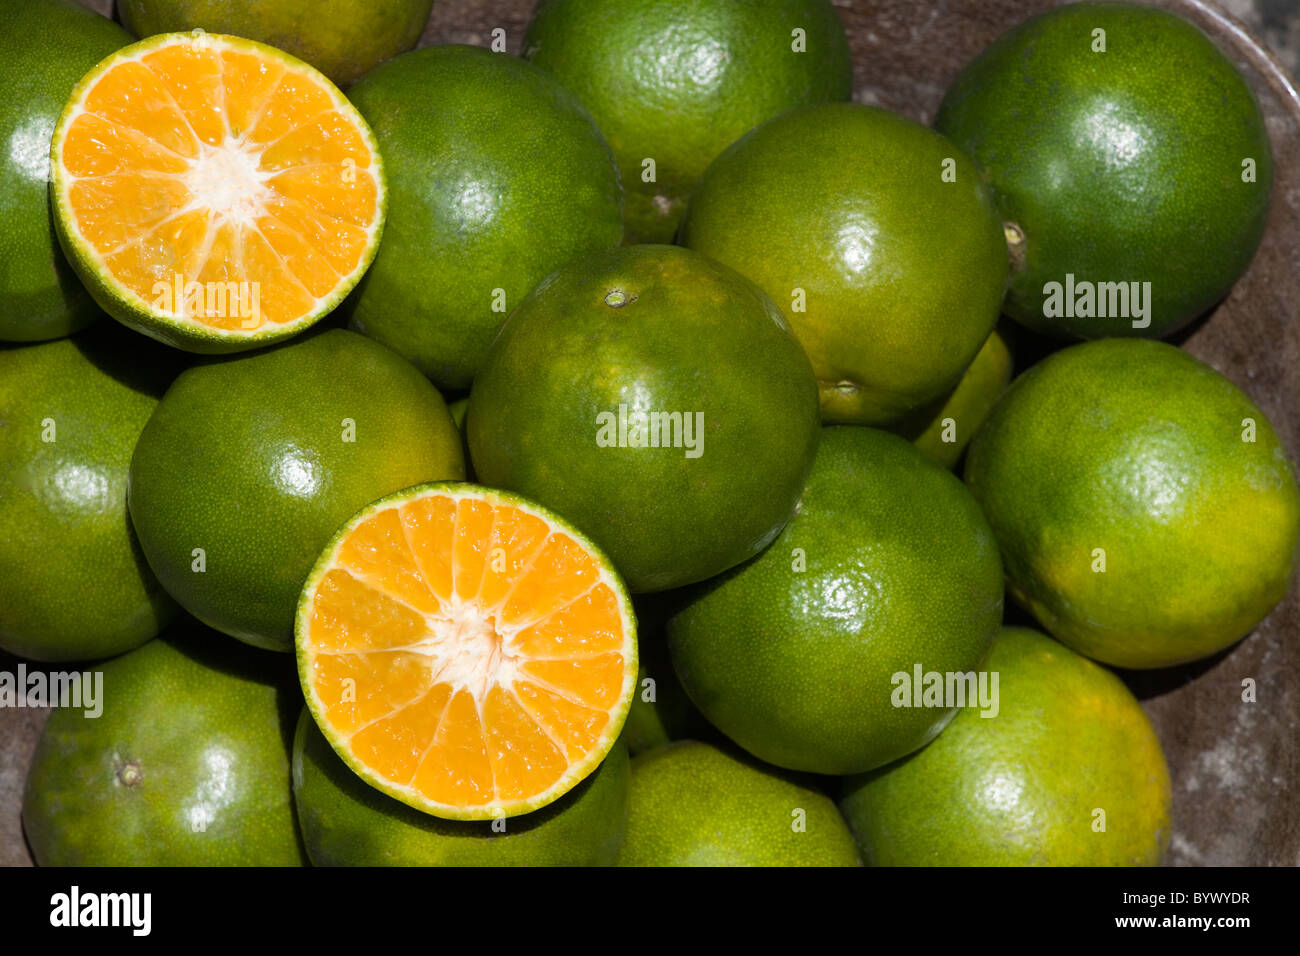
x=660 y=276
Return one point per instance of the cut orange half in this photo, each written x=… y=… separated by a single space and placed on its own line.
x=466 y=651
x=213 y=192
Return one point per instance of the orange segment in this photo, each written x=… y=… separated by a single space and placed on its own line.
x=197 y=232
x=585 y=627
x=560 y=573
x=589 y=679
x=222 y=295
x=329 y=140
x=288 y=298
x=396 y=744
x=192 y=78
x=125 y=208
x=525 y=760
x=377 y=551
x=466 y=651
x=511 y=551
x=366 y=688
x=350 y=615
x=456 y=770
x=97 y=147
x=197 y=158
x=257 y=78
x=341 y=243
x=312 y=270
x=576 y=727
x=343 y=193
x=295 y=101
x=132 y=96
x=429 y=524
x=474 y=521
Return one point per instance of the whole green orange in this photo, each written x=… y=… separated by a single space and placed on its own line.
x=658 y=401
x=346 y=822
x=945 y=427
x=73 y=581
x=675 y=84
x=887 y=569
x=46 y=46
x=187 y=764
x=250 y=465
x=877 y=238
x=1122 y=148
x=1066 y=772
x=497 y=176
x=342 y=38
x=1146 y=511
x=691 y=804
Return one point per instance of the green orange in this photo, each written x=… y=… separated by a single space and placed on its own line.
x=1067 y=772
x=887 y=566
x=945 y=427
x=692 y=804
x=677 y=83
x=249 y=466
x=561 y=411
x=497 y=176
x=1122 y=146
x=73 y=581
x=186 y=765
x=877 y=238
x=346 y=822
x=341 y=38
x=1146 y=511
x=45 y=48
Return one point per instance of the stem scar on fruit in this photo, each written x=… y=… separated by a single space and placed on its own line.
x=844 y=387
x=616 y=299
x=1015 y=244
x=130 y=774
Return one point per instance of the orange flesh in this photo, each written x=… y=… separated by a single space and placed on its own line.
x=208 y=161
x=466 y=650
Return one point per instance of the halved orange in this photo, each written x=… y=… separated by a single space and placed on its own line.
x=213 y=192
x=466 y=651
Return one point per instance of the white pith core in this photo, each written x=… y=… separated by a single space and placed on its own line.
x=226 y=180
x=466 y=650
